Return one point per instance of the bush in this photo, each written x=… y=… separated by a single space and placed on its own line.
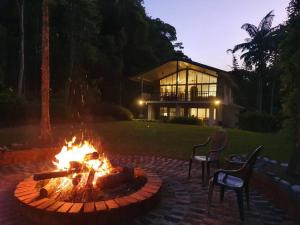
x=112 y=110
x=186 y=120
x=13 y=109
x=255 y=121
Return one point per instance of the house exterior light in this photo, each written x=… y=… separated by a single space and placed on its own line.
x=217 y=102
x=141 y=102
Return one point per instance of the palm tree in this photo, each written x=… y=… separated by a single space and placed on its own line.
x=45 y=79
x=258 y=49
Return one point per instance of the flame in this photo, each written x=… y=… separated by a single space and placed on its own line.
x=77 y=152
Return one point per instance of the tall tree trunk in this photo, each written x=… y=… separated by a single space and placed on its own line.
x=260 y=88
x=46 y=135
x=21 y=71
x=272 y=98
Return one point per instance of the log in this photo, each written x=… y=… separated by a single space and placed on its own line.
x=115 y=179
x=91 y=156
x=90 y=179
x=49 y=188
x=76 y=180
x=53 y=174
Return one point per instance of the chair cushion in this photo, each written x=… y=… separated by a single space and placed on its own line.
x=202 y=158
x=229 y=181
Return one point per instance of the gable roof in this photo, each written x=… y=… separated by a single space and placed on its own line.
x=170 y=67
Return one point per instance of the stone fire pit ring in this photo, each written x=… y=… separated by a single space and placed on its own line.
x=53 y=212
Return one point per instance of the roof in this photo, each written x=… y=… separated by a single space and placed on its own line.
x=170 y=67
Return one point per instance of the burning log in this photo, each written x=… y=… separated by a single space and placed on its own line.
x=49 y=188
x=76 y=180
x=115 y=179
x=91 y=156
x=53 y=174
x=90 y=179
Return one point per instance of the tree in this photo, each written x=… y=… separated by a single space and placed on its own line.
x=46 y=135
x=21 y=70
x=290 y=58
x=257 y=50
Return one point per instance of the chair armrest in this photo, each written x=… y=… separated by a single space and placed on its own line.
x=195 y=147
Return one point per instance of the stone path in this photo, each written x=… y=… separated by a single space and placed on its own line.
x=183 y=200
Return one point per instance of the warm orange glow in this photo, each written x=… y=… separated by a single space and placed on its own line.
x=71 y=152
x=141 y=102
x=217 y=102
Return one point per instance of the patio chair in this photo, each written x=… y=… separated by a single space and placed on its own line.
x=236 y=180
x=217 y=143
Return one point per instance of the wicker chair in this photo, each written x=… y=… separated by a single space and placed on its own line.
x=236 y=180
x=217 y=143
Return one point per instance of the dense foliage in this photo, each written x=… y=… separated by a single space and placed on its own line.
x=186 y=120
x=256 y=121
x=290 y=63
x=94 y=44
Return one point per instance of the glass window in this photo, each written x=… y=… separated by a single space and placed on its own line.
x=212 y=90
x=172 y=112
x=212 y=79
x=192 y=77
x=204 y=90
x=199 y=77
x=182 y=77
x=181 y=111
x=205 y=79
x=163 y=111
x=193 y=112
x=181 y=92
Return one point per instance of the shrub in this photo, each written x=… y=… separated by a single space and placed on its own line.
x=186 y=120
x=255 y=121
x=114 y=111
x=13 y=109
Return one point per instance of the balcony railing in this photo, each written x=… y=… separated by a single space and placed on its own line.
x=190 y=96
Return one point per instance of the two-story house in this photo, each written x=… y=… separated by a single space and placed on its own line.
x=189 y=89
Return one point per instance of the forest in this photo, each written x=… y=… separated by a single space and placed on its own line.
x=95 y=47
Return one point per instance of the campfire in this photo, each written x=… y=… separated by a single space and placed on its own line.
x=87 y=186
x=82 y=174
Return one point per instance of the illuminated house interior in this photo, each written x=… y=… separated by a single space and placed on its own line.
x=183 y=88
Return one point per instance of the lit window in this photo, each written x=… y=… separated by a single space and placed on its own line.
x=205 y=79
x=172 y=112
x=163 y=111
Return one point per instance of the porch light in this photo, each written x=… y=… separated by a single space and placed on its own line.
x=217 y=102
x=141 y=102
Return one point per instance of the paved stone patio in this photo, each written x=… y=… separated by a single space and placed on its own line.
x=183 y=200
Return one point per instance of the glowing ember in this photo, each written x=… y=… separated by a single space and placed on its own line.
x=85 y=163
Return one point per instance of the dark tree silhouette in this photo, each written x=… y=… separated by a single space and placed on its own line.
x=257 y=50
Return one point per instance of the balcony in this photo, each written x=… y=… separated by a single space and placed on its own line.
x=189 y=96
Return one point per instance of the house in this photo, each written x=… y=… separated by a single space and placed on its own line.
x=183 y=88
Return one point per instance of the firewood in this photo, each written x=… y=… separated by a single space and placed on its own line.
x=115 y=179
x=91 y=156
x=53 y=174
x=49 y=188
x=76 y=180
x=90 y=179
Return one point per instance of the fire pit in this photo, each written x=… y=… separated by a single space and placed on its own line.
x=87 y=189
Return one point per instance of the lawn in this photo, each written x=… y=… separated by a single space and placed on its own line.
x=172 y=140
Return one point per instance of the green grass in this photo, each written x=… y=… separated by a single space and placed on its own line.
x=172 y=140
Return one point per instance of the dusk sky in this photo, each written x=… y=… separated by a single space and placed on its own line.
x=208 y=28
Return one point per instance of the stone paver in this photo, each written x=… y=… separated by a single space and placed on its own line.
x=183 y=200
